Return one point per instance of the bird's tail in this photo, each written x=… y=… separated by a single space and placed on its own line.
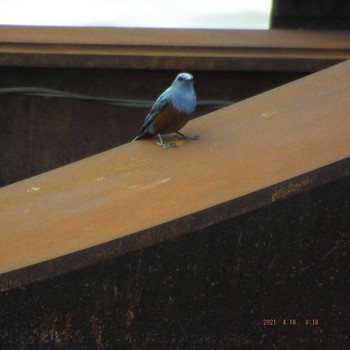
x=142 y=135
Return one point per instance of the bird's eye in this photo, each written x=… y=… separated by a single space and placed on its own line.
x=181 y=78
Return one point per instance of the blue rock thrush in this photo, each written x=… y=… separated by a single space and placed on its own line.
x=171 y=111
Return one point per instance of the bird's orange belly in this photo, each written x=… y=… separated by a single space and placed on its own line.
x=169 y=120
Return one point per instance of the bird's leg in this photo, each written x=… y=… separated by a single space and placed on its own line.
x=165 y=145
x=187 y=138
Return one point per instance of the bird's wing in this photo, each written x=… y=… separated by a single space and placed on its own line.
x=160 y=104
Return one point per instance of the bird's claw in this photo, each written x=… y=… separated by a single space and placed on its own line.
x=166 y=145
x=187 y=138
x=192 y=138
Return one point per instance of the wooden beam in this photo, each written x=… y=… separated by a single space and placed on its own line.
x=140 y=48
x=250 y=154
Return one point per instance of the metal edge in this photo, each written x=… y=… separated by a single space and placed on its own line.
x=176 y=228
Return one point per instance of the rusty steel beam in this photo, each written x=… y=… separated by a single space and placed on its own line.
x=140 y=48
x=251 y=154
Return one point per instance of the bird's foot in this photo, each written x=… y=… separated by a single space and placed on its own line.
x=166 y=145
x=187 y=138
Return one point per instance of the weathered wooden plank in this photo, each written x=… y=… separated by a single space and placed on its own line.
x=140 y=48
x=251 y=154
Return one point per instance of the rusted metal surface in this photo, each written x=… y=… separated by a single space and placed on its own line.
x=251 y=154
x=212 y=289
x=286 y=261
x=170 y=48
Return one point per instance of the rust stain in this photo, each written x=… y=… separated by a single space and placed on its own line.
x=269 y=113
x=33 y=189
x=291 y=189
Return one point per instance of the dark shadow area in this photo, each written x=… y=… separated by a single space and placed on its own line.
x=311 y=14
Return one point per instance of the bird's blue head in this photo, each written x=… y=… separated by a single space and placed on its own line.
x=183 y=78
x=183 y=95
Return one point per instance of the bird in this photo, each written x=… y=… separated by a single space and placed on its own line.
x=171 y=111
